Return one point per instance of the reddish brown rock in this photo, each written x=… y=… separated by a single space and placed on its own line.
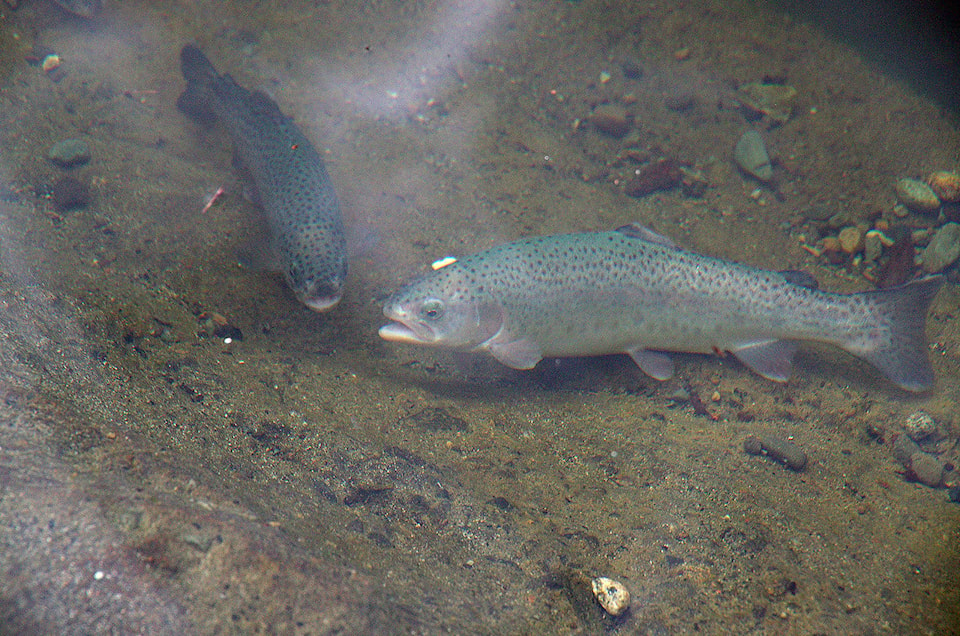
x=659 y=175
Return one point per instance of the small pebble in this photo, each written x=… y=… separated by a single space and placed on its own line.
x=919 y=426
x=851 y=239
x=901 y=259
x=751 y=155
x=904 y=449
x=917 y=195
x=50 y=63
x=946 y=185
x=69 y=153
x=783 y=451
x=663 y=174
x=613 y=597
x=830 y=244
x=216 y=325
x=928 y=469
x=954 y=493
x=692 y=183
x=943 y=249
x=872 y=246
x=611 y=119
x=680 y=103
x=773 y=100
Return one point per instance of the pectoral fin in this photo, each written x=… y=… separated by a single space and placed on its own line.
x=656 y=364
x=770 y=358
x=516 y=354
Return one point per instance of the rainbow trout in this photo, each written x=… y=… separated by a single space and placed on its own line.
x=292 y=184
x=632 y=291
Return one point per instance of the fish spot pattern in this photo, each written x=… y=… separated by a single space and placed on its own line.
x=294 y=189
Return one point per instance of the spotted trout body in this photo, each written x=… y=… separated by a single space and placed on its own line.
x=632 y=291
x=292 y=183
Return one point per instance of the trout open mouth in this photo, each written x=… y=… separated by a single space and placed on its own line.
x=396 y=332
x=405 y=329
x=321 y=304
x=322 y=297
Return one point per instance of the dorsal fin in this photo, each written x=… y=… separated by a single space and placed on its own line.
x=635 y=230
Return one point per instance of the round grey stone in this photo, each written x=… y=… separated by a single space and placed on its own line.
x=69 y=153
x=943 y=250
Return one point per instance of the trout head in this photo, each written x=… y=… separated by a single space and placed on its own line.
x=321 y=296
x=316 y=276
x=442 y=310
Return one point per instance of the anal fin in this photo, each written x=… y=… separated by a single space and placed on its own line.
x=772 y=359
x=656 y=364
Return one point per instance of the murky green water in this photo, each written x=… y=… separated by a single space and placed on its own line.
x=308 y=477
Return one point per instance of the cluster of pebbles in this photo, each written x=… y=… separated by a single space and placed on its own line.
x=921 y=450
x=938 y=195
x=928 y=196
x=861 y=245
x=886 y=250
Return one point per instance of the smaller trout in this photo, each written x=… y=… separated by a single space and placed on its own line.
x=292 y=184
x=632 y=291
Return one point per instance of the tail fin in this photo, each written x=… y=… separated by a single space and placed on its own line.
x=199 y=73
x=903 y=356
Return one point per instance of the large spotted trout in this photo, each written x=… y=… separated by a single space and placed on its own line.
x=292 y=185
x=632 y=291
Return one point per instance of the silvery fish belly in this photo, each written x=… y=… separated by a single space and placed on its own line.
x=632 y=291
x=291 y=180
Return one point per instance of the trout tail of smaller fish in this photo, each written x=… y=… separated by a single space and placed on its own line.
x=200 y=75
x=901 y=354
x=210 y=95
x=291 y=182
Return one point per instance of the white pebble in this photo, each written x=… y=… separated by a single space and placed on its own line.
x=97 y=575
x=919 y=425
x=612 y=595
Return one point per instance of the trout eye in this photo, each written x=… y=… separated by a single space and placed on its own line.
x=432 y=309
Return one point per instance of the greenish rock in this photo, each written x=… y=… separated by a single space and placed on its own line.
x=917 y=196
x=872 y=247
x=201 y=542
x=69 y=153
x=842 y=218
x=751 y=155
x=928 y=469
x=692 y=183
x=773 y=100
x=943 y=250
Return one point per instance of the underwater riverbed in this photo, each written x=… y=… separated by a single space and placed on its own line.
x=186 y=448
